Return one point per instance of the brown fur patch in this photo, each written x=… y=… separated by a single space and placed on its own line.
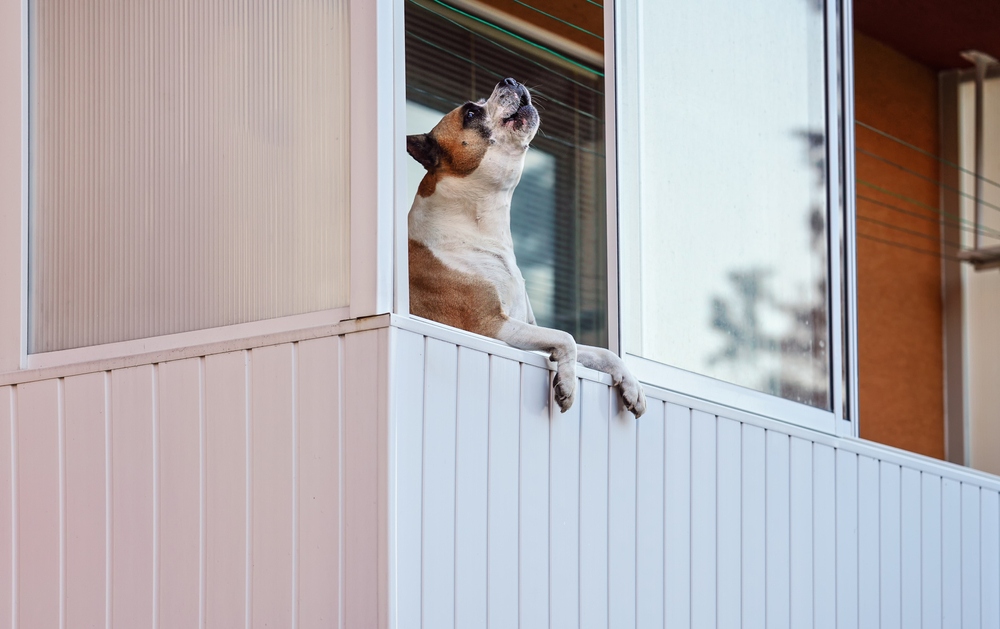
x=462 y=150
x=442 y=294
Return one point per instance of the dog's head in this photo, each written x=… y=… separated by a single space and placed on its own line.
x=484 y=141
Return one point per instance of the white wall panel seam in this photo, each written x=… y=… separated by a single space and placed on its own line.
x=295 y=485
x=155 y=622
x=248 y=469
x=202 y=496
x=108 y=504
x=341 y=541
x=61 y=409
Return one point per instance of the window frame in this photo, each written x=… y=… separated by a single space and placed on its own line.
x=374 y=28
x=842 y=291
x=842 y=421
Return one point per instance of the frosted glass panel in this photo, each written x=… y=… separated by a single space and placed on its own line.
x=724 y=228
x=189 y=165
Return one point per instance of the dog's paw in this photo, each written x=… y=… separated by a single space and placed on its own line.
x=564 y=386
x=632 y=395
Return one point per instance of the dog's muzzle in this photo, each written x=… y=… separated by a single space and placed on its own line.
x=515 y=98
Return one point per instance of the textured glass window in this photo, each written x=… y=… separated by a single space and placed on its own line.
x=558 y=210
x=724 y=221
x=189 y=166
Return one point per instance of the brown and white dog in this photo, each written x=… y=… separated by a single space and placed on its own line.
x=462 y=267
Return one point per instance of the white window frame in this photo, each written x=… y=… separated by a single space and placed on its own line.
x=840 y=166
x=375 y=29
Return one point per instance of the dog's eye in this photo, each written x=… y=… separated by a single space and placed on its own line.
x=471 y=113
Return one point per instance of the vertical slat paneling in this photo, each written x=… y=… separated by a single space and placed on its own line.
x=824 y=537
x=677 y=516
x=226 y=487
x=86 y=509
x=649 y=516
x=621 y=514
x=909 y=520
x=868 y=538
x=38 y=475
x=470 y=489
x=438 y=527
x=703 y=522
x=179 y=477
x=408 y=378
x=990 y=534
x=363 y=352
x=505 y=394
x=271 y=481
x=319 y=448
x=594 y=399
x=132 y=539
x=533 y=532
x=728 y=608
x=930 y=551
x=753 y=570
x=801 y=540
x=778 y=552
x=564 y=518
x=951 y=553
x=7 y=540
x=847 y=540
x=889 y=546
x=971 y=611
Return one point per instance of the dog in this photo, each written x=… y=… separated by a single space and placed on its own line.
x=461 y=253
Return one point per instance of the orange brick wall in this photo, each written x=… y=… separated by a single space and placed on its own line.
x=899 y=289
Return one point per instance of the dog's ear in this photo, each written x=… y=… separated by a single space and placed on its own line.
x=424 y=149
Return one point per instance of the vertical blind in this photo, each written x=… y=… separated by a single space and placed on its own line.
x=189 y=166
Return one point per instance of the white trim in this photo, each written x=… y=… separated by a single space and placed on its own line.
x=373 y=145
x=186 y=345
x=835 y=194
x=401 y=303
x=25 y=177
x=611 y=179
x=850 y=308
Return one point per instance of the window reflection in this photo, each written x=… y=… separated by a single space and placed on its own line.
x=730 y=237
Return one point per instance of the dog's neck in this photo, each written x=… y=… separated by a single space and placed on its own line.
x=463 y=211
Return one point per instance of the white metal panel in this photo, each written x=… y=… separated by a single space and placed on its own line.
x=320 y=509
x=594 y=399
x=649 y=540
x=824 y=537
x=408 y=382
x=471 y=488
x=564 y=519
x=801 y=540
x=677 y=516
x=179 y=477
x=132 y=531
x=365 y=356
x=38 y=508
x=703 y=519
x=86 y=504
x=847 y=539
x=621 y=515
x=930 y=551
x=505 y=392
x=754 y=576
x=868 y=542
x=438 y=526
x=777 y=559
x=271 y=483
x=7 y=511
x=909 y=521
x=226 y=488
x=971 y=611
x=889 y=545
x=533 y=507
x=729 y=610
x=990 y=553
x=951 y=553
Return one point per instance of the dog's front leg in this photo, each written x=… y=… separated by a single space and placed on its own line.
x=561 y=348
x=603 y=360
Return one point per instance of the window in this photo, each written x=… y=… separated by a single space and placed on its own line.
x=188 y=169
x=729 y=200
x=558 y=214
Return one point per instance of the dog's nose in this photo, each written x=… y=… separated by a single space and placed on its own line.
x=509 y=82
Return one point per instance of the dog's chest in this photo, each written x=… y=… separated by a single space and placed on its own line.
x=496 y=265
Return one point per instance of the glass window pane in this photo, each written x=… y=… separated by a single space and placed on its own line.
x=724 y=259
x=189 y=166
